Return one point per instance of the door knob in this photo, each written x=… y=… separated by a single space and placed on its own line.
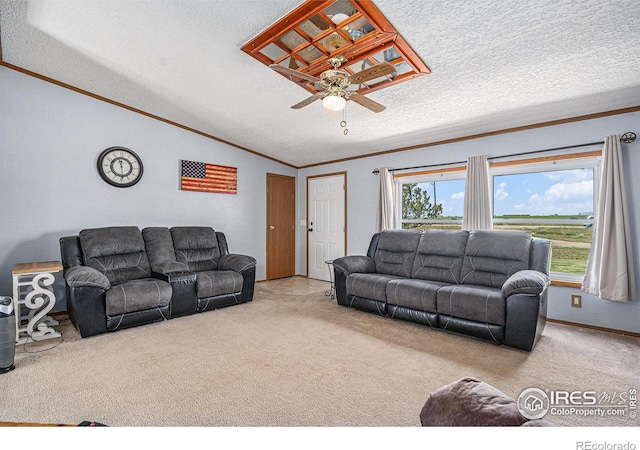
x=272 y=227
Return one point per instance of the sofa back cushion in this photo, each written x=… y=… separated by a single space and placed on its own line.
x=117 y=252
x=396 y=251
x=197 y=247
x=492 y=256
x=440 y=255
x=159 y=245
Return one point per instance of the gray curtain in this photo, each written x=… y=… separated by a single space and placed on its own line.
x=609 y=273
x=386 y=214
x=477 y=214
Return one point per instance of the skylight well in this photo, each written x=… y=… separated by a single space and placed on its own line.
x=305 y=39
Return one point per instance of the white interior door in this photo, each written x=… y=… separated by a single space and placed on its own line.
x=325 y=223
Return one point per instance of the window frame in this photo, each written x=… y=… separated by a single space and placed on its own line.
x=458 y=173
x=556 y=162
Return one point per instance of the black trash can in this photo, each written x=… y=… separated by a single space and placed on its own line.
x=7 y=335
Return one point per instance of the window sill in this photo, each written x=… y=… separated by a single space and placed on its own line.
x=563 y=283
x=566 y=280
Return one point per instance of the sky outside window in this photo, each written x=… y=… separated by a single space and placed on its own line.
x=562 y=192
x=541 y=203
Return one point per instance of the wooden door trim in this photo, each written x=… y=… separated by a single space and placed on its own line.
x=268 y=218
x=306 y=211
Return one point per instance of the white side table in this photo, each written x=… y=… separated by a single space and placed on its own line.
x=33 y=288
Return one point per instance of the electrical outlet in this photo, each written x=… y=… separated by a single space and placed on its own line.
x=576 y=301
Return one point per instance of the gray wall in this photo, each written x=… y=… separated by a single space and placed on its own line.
x=50 y=138
x=363 y=188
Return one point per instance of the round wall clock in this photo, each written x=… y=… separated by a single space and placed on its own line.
x=120 y=167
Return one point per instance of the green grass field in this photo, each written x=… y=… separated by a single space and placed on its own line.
x=569 y=259
x=565 y=257
x=568 y=233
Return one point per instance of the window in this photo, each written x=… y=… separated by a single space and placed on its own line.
x=553 y=200
x=433 y=200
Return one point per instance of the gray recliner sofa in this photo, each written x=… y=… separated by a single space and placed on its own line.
x=120 y=277
x=489 y=284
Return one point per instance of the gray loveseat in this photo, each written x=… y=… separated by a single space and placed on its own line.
x=120 y=277
x=490 y=284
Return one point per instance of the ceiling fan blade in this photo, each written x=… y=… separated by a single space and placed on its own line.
x=376 y=71
x=366 y=102
x=290 y=72
x=308 y=100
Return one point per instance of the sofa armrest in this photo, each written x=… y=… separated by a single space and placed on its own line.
x=87 y=310
x=183 y=291
x=245 y=266
x=85 y=276
x=527 y=282
x=343 y=267
x=355 y=264
x=236 y=263
x=170 y=267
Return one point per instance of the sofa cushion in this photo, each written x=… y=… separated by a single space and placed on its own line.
x=117 y=252
x=159 y=245
x=170 y=267
x=369 y=285
x=137 y=295
x=492 y=256
x=197 y=247
x=217 y=282
x=396 y=251
x=478 y=303
x=440 y=255
x=414 y=294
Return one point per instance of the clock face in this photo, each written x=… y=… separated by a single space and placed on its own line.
x=120 y=167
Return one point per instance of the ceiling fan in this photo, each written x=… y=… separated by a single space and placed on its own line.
x=335 y=82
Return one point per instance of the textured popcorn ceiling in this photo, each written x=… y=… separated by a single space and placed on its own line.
x=495 y=65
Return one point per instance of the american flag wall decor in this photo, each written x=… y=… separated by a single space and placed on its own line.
x=201 y=177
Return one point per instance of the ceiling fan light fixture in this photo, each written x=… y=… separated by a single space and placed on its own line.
x=333 y=42
x=340 y=17
x=334 y=102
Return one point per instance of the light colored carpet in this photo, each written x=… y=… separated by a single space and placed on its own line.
x=293 y=357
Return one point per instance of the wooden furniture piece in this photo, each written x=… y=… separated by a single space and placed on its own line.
x=33 y=289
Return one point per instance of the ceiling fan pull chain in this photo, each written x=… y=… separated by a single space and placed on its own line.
x=343 y=124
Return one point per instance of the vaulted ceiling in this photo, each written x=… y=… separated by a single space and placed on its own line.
x=494 y=65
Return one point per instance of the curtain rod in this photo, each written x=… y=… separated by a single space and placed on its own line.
x=626 y=138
